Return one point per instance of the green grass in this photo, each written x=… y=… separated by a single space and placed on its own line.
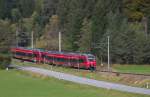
x=82 y=73
x=21 y=84
x=86 y=73
x=142 y=69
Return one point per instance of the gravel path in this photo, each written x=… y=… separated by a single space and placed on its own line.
x=81 y=80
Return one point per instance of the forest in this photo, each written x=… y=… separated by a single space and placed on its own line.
x=84 y=24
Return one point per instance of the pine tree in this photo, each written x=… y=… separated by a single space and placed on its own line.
x=6 y=40
x=50 y=37
x=15 y=14
x=74 y=23
x=85 y=41
x=26 y=7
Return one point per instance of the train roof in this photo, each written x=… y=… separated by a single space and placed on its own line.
x=27 y=48
x=57 y=52
x=70 y=53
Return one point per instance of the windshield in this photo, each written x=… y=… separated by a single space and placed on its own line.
x=91 y=57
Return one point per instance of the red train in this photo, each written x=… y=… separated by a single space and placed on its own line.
x=77 y=60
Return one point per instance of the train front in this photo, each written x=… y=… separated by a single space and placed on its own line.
x=91 y=61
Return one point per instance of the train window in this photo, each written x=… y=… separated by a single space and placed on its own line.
x=49 y=58
x=30 y=55
x=20 y=53
x=60 y=59
x=66 y=60
x=91 y=58
x=17 y=53
x=46 y=57
x=81 y=60
x=74 y=60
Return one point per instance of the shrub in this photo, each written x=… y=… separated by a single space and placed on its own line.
x=4 y=61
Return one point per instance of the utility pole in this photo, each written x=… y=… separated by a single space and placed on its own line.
x=108 y=52
x=17 y=37
x=145 y=25
x=32 y=40
x=108 y=55
x=59 y=41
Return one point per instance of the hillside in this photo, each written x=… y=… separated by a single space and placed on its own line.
x=84 y=24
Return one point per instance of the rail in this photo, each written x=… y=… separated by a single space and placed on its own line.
x=118 y=73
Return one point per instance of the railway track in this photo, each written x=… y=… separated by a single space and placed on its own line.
x=121 y=73
x=116 y=73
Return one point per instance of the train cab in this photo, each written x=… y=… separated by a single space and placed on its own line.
x=91 y=61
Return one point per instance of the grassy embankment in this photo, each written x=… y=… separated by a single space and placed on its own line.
x=93 y=75
x=141 y=69
x=22 y=84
